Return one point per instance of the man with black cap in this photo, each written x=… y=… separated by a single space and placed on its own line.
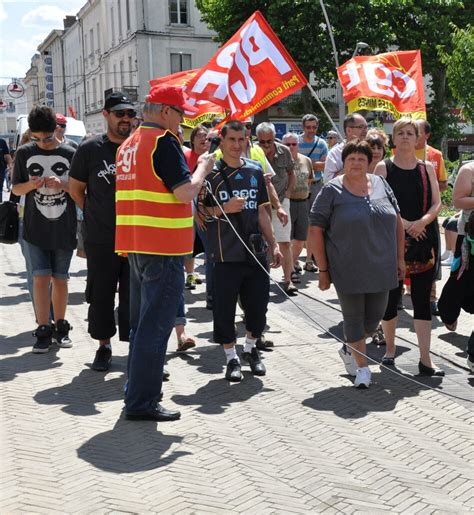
x=92 y=183
x=154 y=226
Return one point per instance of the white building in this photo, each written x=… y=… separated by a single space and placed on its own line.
x=122 y=44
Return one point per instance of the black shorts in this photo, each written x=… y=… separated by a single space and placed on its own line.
x=252 y=284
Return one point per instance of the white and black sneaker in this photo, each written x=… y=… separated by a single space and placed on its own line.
x=363 y=378
x=61 y=334
x=348 y=360
x=43 y=339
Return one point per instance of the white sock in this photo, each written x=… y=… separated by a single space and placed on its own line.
x=249 y=344
x=231 y=354
x=107 y=346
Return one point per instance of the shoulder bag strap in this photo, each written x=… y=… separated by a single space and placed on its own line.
x=424 y=182
x=314 y=146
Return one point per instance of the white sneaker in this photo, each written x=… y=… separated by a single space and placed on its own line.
x=445 y=255
x=362 y=379
x=348 y=360
x=448 y=261
x=470 y=364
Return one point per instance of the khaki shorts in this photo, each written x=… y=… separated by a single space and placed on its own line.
x=282 y=234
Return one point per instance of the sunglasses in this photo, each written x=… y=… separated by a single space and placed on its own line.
x=248 y=126
x=62 y=125
x=358 y=126
x=122 y=112
x=48 y=139
x=265 y=141
x=291 y=144
x=176 y=110
x=331 y=137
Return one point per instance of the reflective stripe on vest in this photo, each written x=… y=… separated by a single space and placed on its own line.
x=149 y=217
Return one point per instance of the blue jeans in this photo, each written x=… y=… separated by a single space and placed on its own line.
x=156 y=285
x=181 y=315
x=209 y=265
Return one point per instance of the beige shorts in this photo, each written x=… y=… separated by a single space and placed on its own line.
x=282 y=234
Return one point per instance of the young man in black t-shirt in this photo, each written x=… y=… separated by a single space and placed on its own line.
x=92 y=186
x=49 y=230
x=238 y=187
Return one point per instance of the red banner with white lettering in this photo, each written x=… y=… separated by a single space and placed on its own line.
x=249 y=73
x=390 y=82
x=207 y=110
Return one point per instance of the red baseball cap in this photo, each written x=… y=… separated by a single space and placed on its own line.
x=60 y=118
x=169 y=95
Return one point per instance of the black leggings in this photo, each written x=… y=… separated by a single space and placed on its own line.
x=420 y=297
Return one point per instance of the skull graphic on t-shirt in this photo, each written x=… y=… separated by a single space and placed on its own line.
x=51 y=203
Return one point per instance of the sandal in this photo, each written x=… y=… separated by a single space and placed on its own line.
x=185 y=344
x=295 y=277
x=310 y=267
x=289 y=289
x=298 y=267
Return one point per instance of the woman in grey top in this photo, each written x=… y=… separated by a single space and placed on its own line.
x=357 y=237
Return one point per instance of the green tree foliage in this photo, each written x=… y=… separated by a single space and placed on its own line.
x=460 y=69
x=383 y=24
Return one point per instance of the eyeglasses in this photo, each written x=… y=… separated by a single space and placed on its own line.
x=62 y=125
x=176 y=110
x=48 y=139
x=331 y=137
x=361 y=126
x=265 y=141
x=121 y=113
x=291 y=144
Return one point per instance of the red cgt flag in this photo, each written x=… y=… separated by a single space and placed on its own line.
x=390 y=82
x=250 y=72
x=207 y=110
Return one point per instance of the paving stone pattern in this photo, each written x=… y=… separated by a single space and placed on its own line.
x=300 y=440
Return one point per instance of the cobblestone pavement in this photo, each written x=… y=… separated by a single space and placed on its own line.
x=300 y=440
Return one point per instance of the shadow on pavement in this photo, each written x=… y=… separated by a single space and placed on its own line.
x=218 y=394
x=81 y=395
x=131 y=446
x=15 y=299
x=12 y=366
x=383 y=395
x=208 y=360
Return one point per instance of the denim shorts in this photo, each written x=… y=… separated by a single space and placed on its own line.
x=48 y=262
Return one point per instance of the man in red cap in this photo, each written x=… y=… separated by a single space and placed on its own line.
x=61 y=123
x=154 y=226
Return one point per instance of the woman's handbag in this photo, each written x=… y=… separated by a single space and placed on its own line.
x=419 y=254
x=8 y=222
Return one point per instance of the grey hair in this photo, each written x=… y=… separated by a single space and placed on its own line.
x=265 y=127
x=150 y=108
x=309 y=118
x=290 y=135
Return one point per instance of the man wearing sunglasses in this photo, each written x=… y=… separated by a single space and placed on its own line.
x=49 y=227
x=92 y=183
x=59 y=133
x=355 y=126
x=154 y=226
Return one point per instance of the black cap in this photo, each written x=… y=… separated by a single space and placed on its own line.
x=117 y=100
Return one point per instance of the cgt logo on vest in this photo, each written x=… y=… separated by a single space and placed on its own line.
x=126 y=158
x=250 y=195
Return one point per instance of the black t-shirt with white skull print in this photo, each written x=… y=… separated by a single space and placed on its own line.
x=50 y=215
x=94 y=164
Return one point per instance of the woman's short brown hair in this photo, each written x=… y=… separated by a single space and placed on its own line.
x=376 y=137
x=356 y=146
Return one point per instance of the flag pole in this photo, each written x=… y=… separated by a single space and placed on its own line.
x=324 y=109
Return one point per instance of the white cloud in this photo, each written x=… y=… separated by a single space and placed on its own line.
x=43 y=15
x=3 y=12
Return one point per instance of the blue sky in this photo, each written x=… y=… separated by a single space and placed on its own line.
x=23 y=25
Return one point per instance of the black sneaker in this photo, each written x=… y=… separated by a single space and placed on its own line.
x=61 y=334
x=233 y=371
x=256 y=365
x=43 y=339
x=166 y=374
x=103 y=359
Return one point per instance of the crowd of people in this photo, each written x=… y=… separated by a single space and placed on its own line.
x=150 y=205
